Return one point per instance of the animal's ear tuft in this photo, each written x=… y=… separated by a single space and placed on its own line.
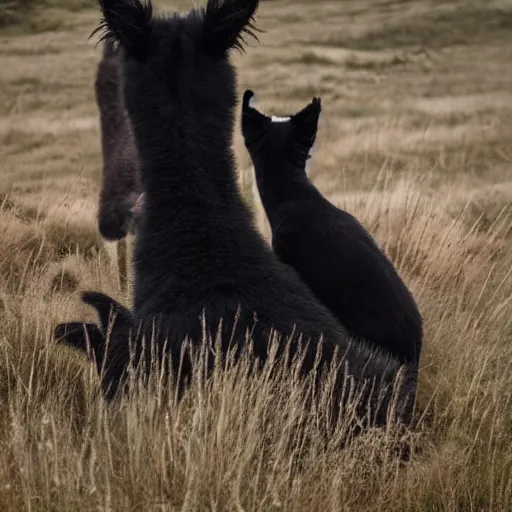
x=80 y=335
x=111 y=312
x=228 y=22
x=306 y=120
x=127 y=22
x=253 y=121
x=248 y=110
x=248 y=98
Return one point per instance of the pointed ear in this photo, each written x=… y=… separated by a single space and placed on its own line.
x=227 y=22
x=127 y=22
x=253 y=121
x=111 y=312
x=80 y=335
x=306 y=120
x=246 y=101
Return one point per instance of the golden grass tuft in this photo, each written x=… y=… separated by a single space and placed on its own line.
x=250 y=442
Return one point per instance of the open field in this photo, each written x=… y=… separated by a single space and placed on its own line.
x=414 y=139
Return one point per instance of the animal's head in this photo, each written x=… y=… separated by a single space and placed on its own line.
x=280 y=140
x=107 y=344
x=120 y=158
x=181 y=57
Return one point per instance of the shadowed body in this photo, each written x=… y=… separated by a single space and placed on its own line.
x=333 y=253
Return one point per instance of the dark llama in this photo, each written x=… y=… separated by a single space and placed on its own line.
x=121 y=185
x=201 y=268
x=330 y=249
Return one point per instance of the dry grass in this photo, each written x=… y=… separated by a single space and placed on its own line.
x=414 y=140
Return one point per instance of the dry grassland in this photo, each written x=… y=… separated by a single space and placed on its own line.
x=415 y=140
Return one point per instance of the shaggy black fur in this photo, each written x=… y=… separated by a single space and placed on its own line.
x=333 y=253
x=121 y=185
x=200 y=265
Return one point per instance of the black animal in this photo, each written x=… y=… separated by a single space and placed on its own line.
x=201 y=268
x=333 y=253
x=117 y=215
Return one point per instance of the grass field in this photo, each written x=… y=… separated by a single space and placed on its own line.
x=414 y=139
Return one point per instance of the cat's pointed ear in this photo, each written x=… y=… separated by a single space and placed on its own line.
x=80 y=336
x=248 y=100
x=112 y=313
x=248 y=111
x=253 y=121
x=306 y=120
x=227 y=23
x=127 y=22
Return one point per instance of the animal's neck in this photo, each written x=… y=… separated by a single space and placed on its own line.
x=280 y=182
x=187 y=160
x=194 y=216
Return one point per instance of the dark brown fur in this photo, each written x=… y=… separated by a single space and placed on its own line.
x=121 y=185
